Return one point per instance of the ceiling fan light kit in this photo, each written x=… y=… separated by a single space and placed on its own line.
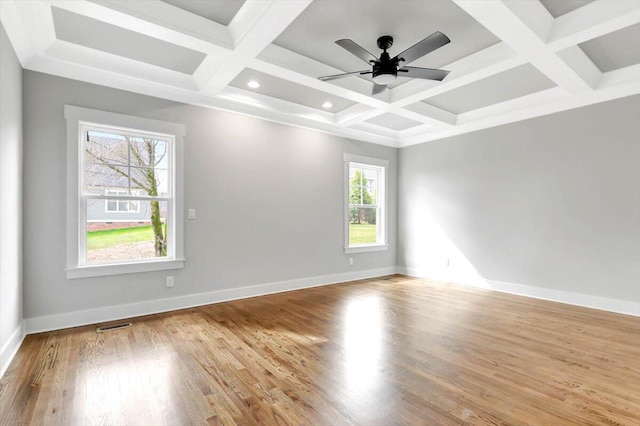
x=385 y=70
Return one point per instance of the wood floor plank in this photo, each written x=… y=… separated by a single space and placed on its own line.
x=386 y=351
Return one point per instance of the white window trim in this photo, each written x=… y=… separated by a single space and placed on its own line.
x=382 y=202
x=76 y=117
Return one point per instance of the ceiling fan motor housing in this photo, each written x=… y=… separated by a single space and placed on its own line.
x=385 y=71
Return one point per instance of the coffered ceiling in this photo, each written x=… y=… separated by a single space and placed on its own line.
x=509 y=59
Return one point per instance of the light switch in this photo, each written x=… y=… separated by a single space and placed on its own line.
x=191 y=214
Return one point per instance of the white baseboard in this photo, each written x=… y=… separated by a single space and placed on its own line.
x=10 y=348
x=571 y=298
x=111 y=313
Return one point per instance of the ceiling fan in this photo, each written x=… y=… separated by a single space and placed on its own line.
x=385 y=70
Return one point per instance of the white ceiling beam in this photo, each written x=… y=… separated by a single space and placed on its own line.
x=275 y=104
x=359 y=113
x=259 y=22
x=39 y=25
x=255 y=26
x=524 y=25
x=207 y=68
x=286 y=59
x=434 y=117
x=312 y=82
x=376 y=130
x=575 y=58
x=427 y=110
x=354 y=114
x=17 y=27
x=627 y=78
x=592 y=20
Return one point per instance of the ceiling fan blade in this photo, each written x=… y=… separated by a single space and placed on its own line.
x=356 y=49
x=346 y=74
x=378 y=88
x=421 y=48
x=427 y=73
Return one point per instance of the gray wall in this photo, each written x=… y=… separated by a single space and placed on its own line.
x=552 y=202
x=10 y=191
x=269 y=201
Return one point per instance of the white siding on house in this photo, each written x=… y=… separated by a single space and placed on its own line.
x=97 y=212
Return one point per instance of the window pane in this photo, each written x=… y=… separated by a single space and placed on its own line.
x=154 y=182
x=359 y=195
x=362 y=225
x=149 y=153
x=123 y=235
x=100 y=179
x=371 y=183
x=107 y=148
x=112 y=205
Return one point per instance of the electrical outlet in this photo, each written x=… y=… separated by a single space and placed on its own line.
x=170 y=281
x=351 y=261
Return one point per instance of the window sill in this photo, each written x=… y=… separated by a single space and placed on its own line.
x=366 y=248
x=123 y=268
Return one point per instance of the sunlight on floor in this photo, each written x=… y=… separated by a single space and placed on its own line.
x=363 y=334
x=118 y=391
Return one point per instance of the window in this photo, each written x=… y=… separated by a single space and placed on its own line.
x=365 y=205
x=126 y=206
x=124 y=194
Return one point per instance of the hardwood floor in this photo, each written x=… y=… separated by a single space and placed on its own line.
x=373 y=352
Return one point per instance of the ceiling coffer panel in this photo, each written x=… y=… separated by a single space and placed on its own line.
x=92 y=33
x=615 y=50
x=561 y=7
x=511 y=84
x=283 y=89
x=393 y=122
x=220 y=11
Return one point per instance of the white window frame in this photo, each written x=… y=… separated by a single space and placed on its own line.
x=117 y=193
x=381 y=198
x=78 y=120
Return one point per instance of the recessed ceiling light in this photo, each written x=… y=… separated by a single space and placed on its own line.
x=253 y=84
x=327 y=105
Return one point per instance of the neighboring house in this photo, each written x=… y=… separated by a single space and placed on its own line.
x=109 y=214
x=117 y=211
